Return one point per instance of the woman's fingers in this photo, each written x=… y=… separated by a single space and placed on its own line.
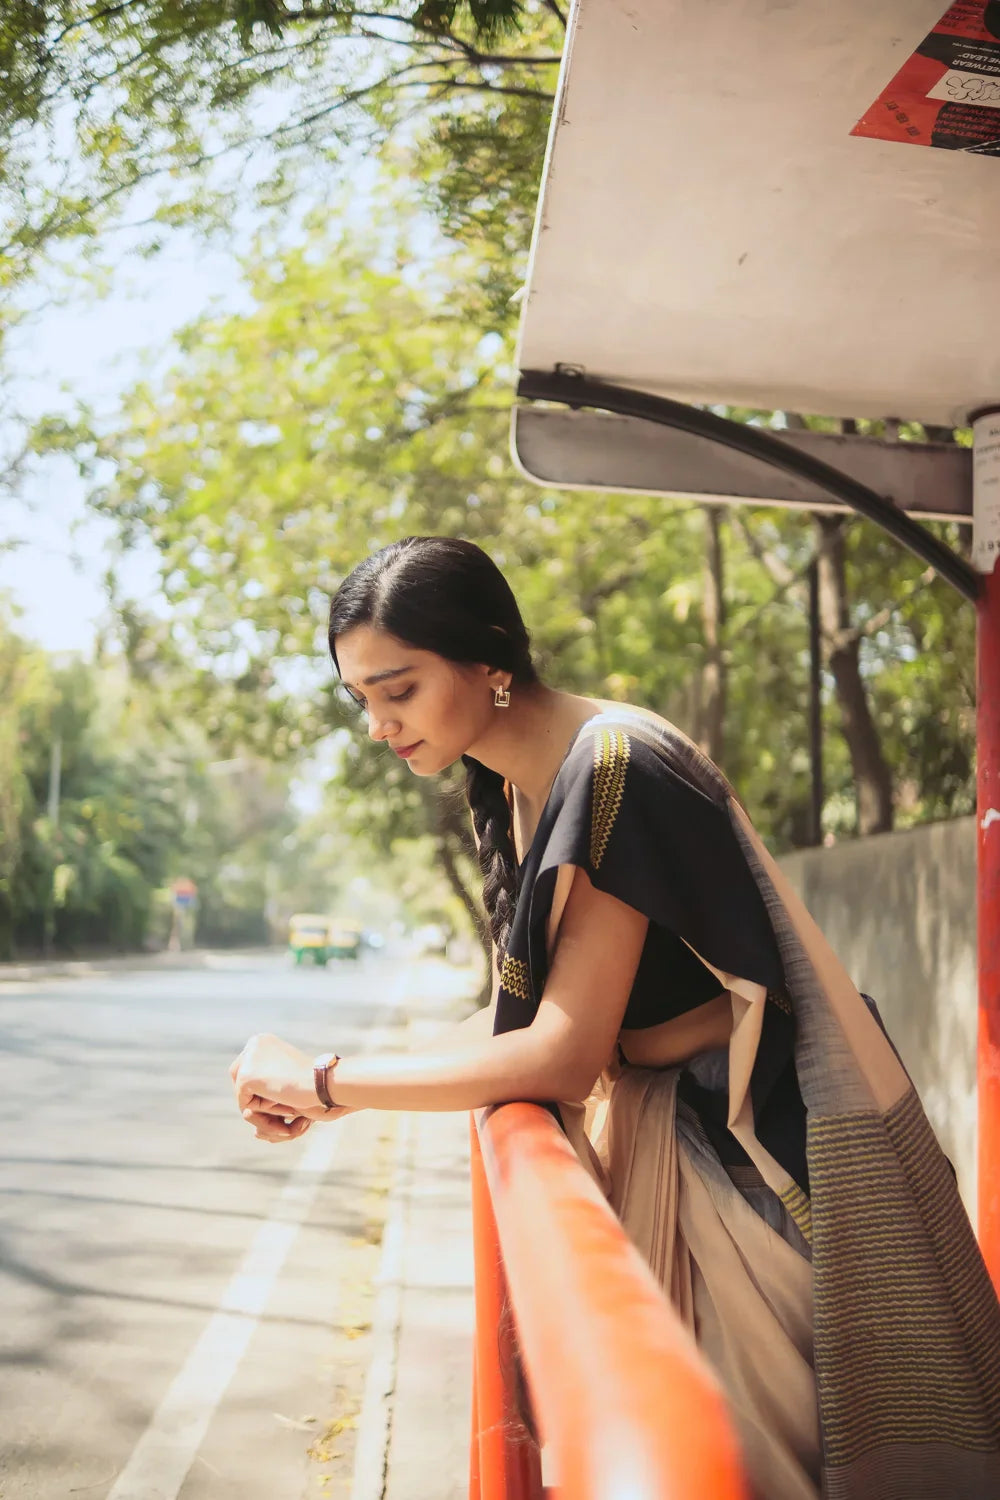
x=272 y=1128
x=259 y=1106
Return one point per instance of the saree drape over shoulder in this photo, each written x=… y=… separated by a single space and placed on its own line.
x=787 y=1191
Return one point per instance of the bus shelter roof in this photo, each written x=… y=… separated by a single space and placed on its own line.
x=709 y=228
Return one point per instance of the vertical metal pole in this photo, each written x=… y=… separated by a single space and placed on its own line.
x=985 y=553
x=815 y=709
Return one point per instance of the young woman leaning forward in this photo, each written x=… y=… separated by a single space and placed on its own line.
x=662 y=987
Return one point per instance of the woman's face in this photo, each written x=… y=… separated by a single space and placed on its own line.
x=416 y=701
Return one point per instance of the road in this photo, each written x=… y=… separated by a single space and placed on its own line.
x=184 y=1309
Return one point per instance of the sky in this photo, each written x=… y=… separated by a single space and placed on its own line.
x=95 y=349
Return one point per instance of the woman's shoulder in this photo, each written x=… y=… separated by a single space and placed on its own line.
x=614 y=727
x=610 y=710
x=625 y=736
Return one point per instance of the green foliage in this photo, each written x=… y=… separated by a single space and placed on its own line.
x=366 y=395
x=352 y=405
x=201 y=103
x=141 y=800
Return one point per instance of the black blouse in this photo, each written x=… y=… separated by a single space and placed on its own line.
x=643 y=833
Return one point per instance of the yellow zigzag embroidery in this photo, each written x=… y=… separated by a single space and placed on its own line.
x=612 y=749
x=799 y=1208
x=514 y=977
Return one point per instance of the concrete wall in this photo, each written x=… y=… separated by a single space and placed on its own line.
x=899 y=909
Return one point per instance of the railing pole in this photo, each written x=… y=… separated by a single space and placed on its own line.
x=503 y=1464
x=475 y=1486
x=985 y=553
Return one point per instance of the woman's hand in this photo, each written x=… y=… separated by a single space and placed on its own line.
x=272 y=1128
x=275 y=1089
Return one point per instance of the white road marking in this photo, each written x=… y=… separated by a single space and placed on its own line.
x=160 y=1460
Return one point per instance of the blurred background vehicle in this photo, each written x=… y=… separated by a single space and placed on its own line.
x=344 y=939
x=309 y=938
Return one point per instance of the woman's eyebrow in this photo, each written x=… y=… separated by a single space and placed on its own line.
x=382 y=676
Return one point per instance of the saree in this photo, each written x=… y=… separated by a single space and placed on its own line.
x=787 y=1191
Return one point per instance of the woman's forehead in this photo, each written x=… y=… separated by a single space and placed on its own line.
x=366 y=655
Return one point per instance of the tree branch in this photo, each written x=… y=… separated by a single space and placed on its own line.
x=882 y=618
x=104 y=14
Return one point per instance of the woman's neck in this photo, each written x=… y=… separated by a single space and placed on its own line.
x=527 y=742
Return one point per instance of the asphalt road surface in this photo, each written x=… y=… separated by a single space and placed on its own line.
x=182 y=1308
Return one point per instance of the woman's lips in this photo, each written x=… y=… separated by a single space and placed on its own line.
x=407 y=750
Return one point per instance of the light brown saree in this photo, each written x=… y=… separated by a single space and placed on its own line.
x=855 y=1329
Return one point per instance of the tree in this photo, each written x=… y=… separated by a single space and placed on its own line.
x=352 y=405
x=160 y=112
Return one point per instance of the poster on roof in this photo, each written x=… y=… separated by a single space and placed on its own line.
x=947 y=94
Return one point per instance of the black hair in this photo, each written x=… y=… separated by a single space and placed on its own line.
x=445 y=595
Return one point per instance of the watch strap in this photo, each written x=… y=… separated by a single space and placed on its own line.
x=322 y=1067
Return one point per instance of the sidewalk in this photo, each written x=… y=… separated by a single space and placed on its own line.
x=413 y=1433
x=89 y=968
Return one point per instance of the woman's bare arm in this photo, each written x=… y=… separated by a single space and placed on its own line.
x=558 y=1056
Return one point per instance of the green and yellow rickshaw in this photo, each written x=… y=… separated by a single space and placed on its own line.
x=309 y=937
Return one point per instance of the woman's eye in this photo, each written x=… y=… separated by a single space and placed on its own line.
x=401 y=697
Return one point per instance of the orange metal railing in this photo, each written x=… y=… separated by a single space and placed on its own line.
x=624 y=1400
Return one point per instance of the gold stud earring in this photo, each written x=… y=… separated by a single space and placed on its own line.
x=501 y=697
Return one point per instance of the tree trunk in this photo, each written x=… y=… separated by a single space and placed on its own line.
x=872 y=778
x=712 y=696
x=454 y=838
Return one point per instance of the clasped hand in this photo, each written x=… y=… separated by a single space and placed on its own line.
x=275 y=1090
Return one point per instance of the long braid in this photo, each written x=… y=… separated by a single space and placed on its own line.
x=497 y=860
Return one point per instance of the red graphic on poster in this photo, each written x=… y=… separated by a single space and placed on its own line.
x=948 y=93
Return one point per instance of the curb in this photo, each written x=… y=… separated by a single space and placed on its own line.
x=446 y=995
x=88 y=968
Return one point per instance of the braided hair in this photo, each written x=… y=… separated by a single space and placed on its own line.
x=446 y=595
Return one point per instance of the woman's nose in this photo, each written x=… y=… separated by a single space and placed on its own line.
x=381 y=729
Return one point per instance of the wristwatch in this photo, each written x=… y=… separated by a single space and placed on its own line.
x=322 y=1067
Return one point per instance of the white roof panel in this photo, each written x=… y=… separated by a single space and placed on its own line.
x=709 y=228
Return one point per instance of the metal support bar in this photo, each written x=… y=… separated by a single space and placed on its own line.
x=986 y=553
x=988 y=808
x=579 y=391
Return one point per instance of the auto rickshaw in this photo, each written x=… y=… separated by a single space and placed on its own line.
x=345 y=938
x=309 y=937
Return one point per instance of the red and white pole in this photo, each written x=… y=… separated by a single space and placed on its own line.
x=985 y=554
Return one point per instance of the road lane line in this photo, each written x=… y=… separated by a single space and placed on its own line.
x=160 y=1460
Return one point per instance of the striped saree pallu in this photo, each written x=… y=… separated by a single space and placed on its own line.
x=905 y=1337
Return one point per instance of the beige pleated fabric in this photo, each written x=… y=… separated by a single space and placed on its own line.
x=742 y=1289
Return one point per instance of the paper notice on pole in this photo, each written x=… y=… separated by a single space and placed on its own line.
x=947 y=93
x=986 y=492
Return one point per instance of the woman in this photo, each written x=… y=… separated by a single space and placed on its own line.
x=744 y=1111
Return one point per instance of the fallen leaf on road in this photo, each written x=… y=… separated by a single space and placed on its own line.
x=300 y=1423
